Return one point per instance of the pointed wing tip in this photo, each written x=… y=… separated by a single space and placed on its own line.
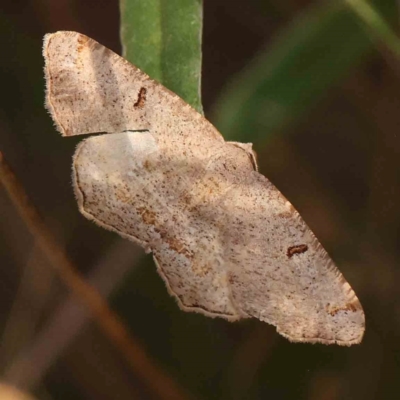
x=347 y=328
x=47 y=74
x=357 y=339
x=48 y=39
x=48 y=36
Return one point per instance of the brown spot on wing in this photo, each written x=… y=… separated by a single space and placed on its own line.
x=333 y=310
x=201 y=269
x=177 y=246
x=147 y=165
x=141 y=98
x=298 y=249
x=82 y=40
x=148 y=216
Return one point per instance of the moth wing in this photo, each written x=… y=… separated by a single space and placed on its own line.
x=280 y=273
x=91 y=89
x=130 y=183
x=230 y=245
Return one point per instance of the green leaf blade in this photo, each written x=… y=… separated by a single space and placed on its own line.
x=163 y=38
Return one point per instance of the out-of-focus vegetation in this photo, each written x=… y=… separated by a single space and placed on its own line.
x=315 y=85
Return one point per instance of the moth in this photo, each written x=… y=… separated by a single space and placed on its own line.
x=226 y=242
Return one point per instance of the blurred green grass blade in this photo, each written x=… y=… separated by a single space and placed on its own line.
x=163 y=38
x=285 y=81
x=376 y=24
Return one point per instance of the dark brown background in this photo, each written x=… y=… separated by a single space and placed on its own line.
x=339 y=166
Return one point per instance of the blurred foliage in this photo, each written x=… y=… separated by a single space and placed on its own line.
x=288 y=78
x=376 y=25
x=319 y=94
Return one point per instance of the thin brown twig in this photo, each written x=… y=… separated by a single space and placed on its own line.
x=140 y=363
x=31 y=363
